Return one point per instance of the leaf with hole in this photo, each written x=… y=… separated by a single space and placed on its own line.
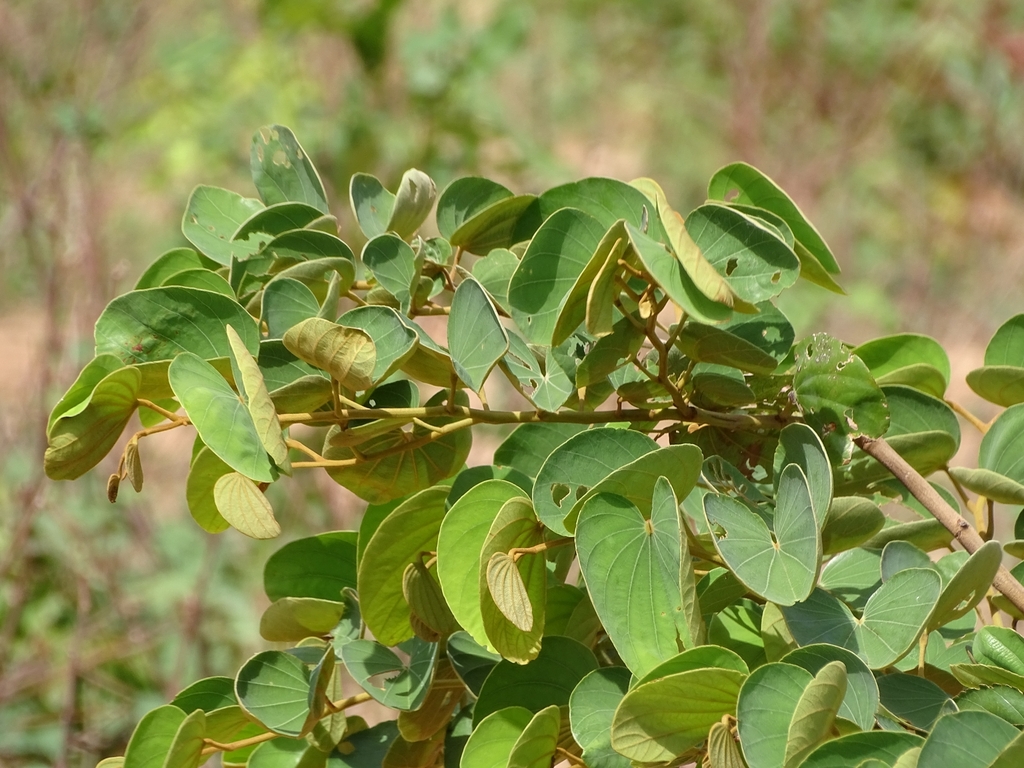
x=580 y=463
x=212 y=216
x=379 y=671
x=781 y=566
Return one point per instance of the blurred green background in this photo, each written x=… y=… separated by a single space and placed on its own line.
x=896 y=124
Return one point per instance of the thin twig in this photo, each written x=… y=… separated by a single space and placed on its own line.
x=962 y=531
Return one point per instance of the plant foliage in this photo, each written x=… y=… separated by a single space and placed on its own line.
x=679 y=554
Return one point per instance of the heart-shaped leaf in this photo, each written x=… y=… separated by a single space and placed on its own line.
x=476 y=338
x=592 y=708
x=212 y=216
x=632 y=568
x=781 y=567
x=395 y=266
x=393 y=341
x=892 y=620
x=273 y=687
x=318 y=566
x=379 y=671
x=220 y=417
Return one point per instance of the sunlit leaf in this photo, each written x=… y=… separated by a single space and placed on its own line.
x=476 y=338
x=281 y=170
x=242 y=504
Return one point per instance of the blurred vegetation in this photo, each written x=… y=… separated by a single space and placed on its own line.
x=897 y=125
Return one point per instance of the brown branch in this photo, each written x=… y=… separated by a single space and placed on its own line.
x=922 y=490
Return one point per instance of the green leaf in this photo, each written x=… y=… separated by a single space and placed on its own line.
x=348 y=354
x=999 y=384
x=242 y=504
x=548 y=679
x=273 y=687
x=837 y=394
x=669 y=274
x=212 y=216
x=299 y=245
x=632 y=568
x=592 y=708
x=171 y=263
x=495 y=273
x=318 y=566
x=857 y=748
x=967 y=740
x=815 y=713
x=1002 y=444
x=286 y=303
x=281 y=170
x=850 y=521
x=1001 y=700
x=512 y=594
x=476 y=339
x=157 y=324
x=371 y=203
x=219 y=416
x=473 y=476
x=914 y=699
x=207 y=694
x=580 y=463
x=393 y=341
x=430 y=363
x=893 y=618
x=395 y=266
x=365 y=748
x=1007 y=344
x=708 y=344
x=544 y=279
x=742 y=183
x=207 y=468
x=493 y=738
x=968 y=585
x=81 y=433
x=202 y=279
x=992 y=485
x=907 y=358
x=397 y=464
x=471 y=661
x=277 y=219
x=800 y=445
x=292 y=619
x=861 y=700
x=1001 y=647
x=410 y=529
x=415 y=198
x=636 y=480
x=766 y=713
x=535 y=747
x=529 y=445
x=444 y=696
x=384 y=675
x=783 y=567
x=701 y=271
x=249 y=380
x=977 y=675
x=755 y=261
x=737 y=628
x=464 y=199
x=661 y=719
x=459 y=542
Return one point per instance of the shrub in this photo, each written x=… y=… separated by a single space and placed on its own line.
x=679 y=554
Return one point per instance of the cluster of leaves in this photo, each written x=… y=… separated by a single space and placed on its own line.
x=733 y=594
